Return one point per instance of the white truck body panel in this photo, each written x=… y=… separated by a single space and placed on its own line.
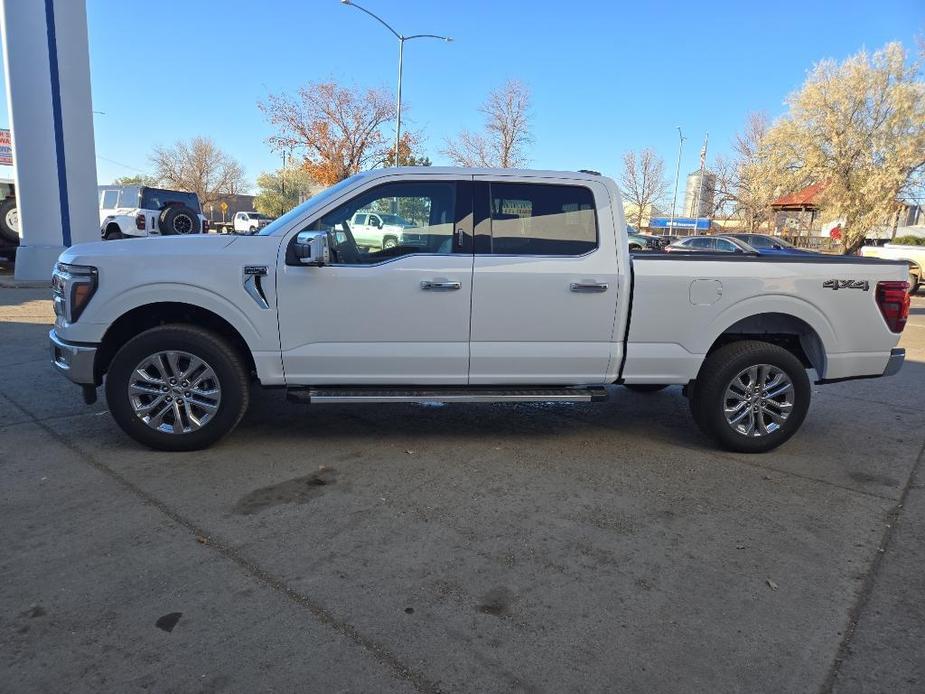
x=514 y=319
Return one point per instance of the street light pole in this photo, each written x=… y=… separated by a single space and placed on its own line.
x=677 y=176
x=401 y=52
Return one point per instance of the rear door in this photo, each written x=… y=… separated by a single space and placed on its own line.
x=545 y=283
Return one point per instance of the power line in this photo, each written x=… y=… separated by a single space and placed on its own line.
x=119 y=163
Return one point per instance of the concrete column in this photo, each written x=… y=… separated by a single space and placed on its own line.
x=47 y=67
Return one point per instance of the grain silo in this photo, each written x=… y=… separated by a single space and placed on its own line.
x=693 y=191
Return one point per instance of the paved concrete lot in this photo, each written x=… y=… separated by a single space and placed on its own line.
x=459 y=548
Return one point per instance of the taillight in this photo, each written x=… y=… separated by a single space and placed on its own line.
x=205 y=226
x=893 y=300
x=140 y=222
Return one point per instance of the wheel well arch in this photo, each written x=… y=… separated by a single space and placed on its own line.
x=793 y=334
x=141 y=318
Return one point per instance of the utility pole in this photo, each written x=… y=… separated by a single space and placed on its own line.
x=401 y=54
x=677 y=176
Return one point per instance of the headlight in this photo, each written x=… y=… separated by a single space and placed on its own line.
x=73 y=287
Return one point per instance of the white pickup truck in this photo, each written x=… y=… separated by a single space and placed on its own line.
x=912 y=256
x=519 y=287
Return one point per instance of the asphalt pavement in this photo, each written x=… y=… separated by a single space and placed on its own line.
x=461 y=548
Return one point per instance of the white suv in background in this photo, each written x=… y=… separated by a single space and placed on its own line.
x=250 y=222
x=145 y=211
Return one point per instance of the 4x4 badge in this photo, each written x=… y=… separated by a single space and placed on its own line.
x=863 y=285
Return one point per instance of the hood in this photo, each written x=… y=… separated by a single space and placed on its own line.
x=149 y=246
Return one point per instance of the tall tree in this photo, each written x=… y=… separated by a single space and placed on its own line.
x=643 y=183
x=747 y=183
x=200 y=167
x=339 y=131
x=506 y=134
x=281 y=190
x=135 y=180
x=858 y=127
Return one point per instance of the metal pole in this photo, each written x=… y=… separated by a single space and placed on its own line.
x=677 y=175
x=401 y=51
x=703 y=160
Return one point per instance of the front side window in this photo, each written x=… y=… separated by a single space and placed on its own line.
x=725 y=246
x=701 y=243
x=400 y=219
x=110 y=199
x=542 y=219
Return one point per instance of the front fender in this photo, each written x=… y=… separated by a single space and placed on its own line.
x=100 y=315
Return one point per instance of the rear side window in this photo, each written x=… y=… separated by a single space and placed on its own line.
x=157 y=199
x=542 y=219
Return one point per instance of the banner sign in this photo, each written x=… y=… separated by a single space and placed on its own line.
x=700 y=224
x=6 y=148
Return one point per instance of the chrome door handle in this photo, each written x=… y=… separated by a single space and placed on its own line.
x=440 y=286
x=588 y=287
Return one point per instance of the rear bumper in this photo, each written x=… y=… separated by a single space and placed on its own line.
x=76 y=362
x=897 y=357
x=893 y=365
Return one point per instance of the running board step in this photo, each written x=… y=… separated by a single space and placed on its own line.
x=319 y=395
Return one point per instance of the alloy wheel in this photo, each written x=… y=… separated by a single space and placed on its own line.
x=758 y=400
x=174 y=392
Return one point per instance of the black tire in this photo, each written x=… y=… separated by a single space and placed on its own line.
x=179 y=220
x=389 y=242
x=225 y=361
x=645 y=387
x=913 y=283
x=253 y=229
x=7 y=232
x=708 y=395
x=113 y=233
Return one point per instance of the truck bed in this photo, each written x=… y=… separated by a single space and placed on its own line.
x=683 y=304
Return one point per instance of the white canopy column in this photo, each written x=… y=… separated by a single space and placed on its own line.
x=47 y=67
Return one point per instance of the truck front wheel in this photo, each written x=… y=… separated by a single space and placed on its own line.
x=177 y=387
x=750 y=396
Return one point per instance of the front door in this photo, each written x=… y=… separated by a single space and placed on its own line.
x=545 y=284
x=397 y=315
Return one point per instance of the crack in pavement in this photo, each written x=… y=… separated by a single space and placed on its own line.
x=870 y=579
x=380 y=653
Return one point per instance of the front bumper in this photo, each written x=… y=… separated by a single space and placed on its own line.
x=77 y=362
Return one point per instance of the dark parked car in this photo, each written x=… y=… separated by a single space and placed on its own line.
x=770 y=245
x=641 y=242
x=710 y=244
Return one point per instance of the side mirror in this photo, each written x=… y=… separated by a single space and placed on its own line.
x=311 y=248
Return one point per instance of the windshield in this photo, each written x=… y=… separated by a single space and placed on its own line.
x=307 y=206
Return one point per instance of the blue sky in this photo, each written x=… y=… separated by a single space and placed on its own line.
x=605 y=76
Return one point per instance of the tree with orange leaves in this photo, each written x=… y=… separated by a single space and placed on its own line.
x=339 y=131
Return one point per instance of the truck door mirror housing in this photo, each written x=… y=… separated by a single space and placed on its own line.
x=309 y=248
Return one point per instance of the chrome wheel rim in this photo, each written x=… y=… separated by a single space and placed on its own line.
x=758 y=400
x=174 y=392
x=182 y=224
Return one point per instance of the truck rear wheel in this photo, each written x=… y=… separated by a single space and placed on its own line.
x=177 y=388
x=750 y=396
